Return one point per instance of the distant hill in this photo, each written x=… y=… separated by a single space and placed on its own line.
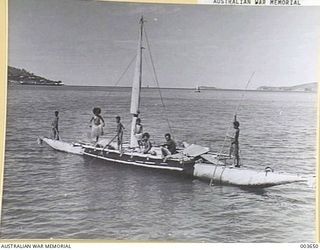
x=23 y=77
x=207 y=87
x=306 y=87
x=202 y=87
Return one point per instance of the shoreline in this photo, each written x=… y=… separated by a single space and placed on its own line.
x=155 y=88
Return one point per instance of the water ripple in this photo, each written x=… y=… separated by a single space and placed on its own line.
x=48 y=194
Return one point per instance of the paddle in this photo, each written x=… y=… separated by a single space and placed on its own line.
x=109 y=142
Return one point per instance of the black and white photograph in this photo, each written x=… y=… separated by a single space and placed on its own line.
x=160 y=122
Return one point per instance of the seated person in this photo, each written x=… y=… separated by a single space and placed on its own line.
x=169 y=147
x=145 y=143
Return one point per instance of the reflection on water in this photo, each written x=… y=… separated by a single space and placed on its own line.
x=48 y=194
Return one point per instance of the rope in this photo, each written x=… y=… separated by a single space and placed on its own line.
x=235 y=115
x=122 y=75
x=214 y=173
x=243 y=94
x=236 y=111
x=157 y=82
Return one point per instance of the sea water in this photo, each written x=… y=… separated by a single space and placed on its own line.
x=50 y=194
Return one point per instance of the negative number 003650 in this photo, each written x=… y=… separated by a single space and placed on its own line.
x=309 y=245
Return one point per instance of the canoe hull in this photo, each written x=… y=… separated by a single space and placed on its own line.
x=216 y=174
x=141 y=160
x=229 y=175
x=72 y=148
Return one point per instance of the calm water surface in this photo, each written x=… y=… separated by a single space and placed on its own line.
x=49 y=194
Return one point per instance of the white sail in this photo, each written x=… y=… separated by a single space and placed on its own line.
x=197 y=89
x=136 y=88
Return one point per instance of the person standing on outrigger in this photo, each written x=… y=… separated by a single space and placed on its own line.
x=234 y=148
x=55 y=126
x=97 y=124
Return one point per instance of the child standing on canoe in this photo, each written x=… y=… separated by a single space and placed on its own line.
x=138 y=130
x=234 y=148
x=55 y=126
x=97 y=124
x=120 y=129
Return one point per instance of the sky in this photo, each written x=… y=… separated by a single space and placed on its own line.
x=92 y=43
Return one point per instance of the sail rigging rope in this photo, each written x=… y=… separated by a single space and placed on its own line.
x=157 y=82
x=120 y=78
x=123 y=73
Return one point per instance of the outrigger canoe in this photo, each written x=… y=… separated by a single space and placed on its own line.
x=192 y=160
x=206 y=166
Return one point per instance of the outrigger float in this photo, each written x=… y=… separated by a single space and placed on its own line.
x=192 y=160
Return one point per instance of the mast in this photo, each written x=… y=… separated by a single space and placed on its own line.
x=136 y=87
